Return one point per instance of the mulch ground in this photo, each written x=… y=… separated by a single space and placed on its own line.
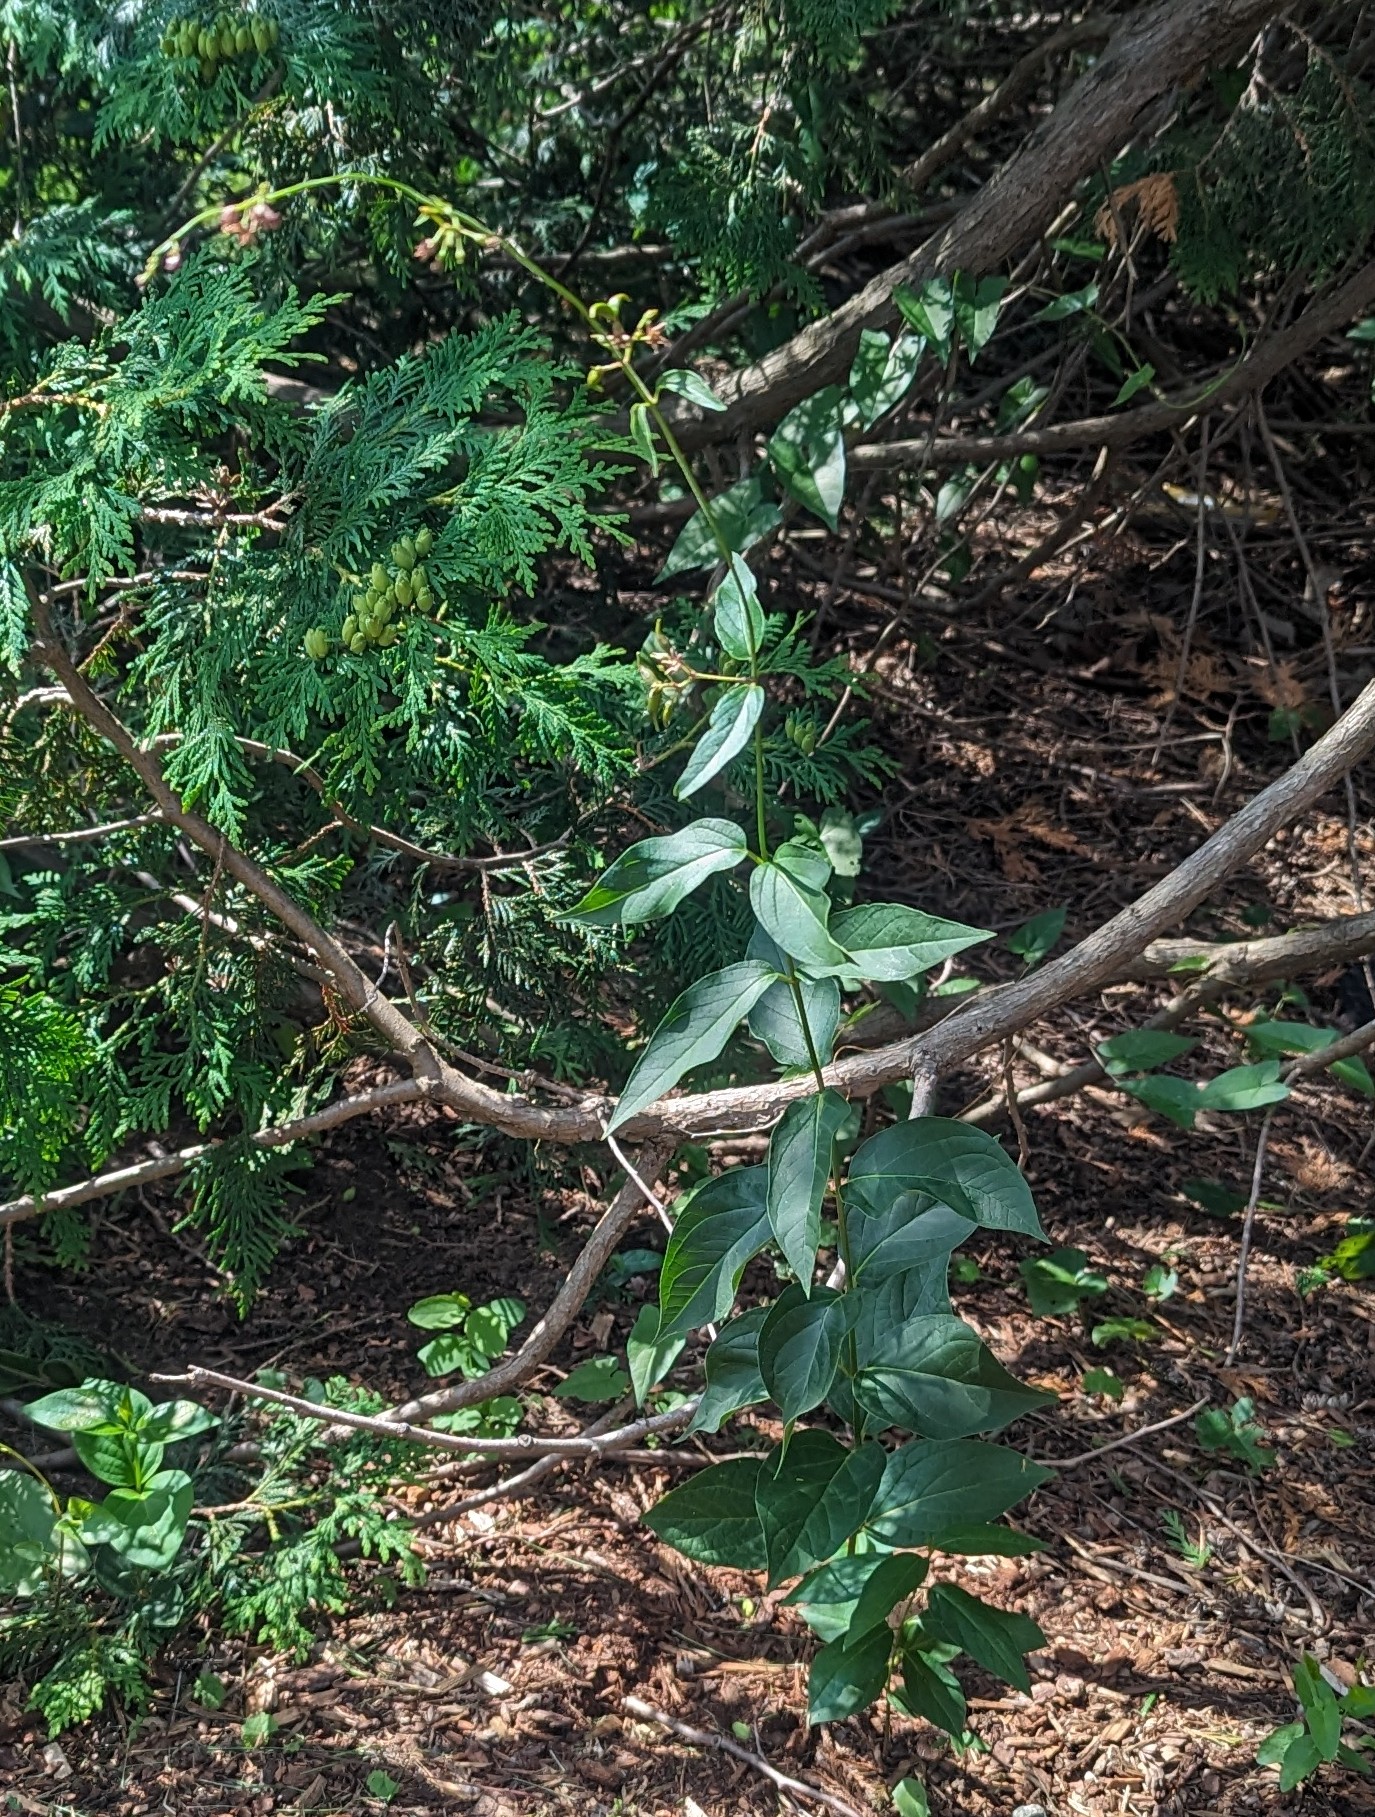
x=1176 y=1590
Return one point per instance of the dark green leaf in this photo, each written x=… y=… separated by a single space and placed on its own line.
x=844 y=1679
x=600 y=1378
x=807 y=451
x=733 y=719
x=937 y=1377
x=932 y=1487
x=719 y=1226
x=1036 y=938
x=894 y=1579
x=1071 y=302
x=908 y=1156
x=691 y=386
x=1177 y=1099
x=712 y=1518
x=117 y=1459
x=1276 y=1744
x=650 y=879
x=827 y=1597
x=799 y=1173
x=791 y=1483
x=932 y=1691
x=1319 y=1706
x=1271 y=1038
x=909 y=1232
x=649 y=1359
x=1217 y=1197
x=995 y=1638
x=991 y=1542
x=696 y=1028
x=1055 y=1284
x=1141 y=1049
x=931 y=311
x=1133 y=383
x=977 y=304
x=774 y=1020
x=842 y=1510
x=1302 y=1757
x=732 y=1371
x=799 y=1347
x=882 y=373
x=1244 y=1088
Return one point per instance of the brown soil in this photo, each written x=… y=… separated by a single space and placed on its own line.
x=1029 y=779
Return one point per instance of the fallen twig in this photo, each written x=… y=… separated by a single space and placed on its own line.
x=704 y=1738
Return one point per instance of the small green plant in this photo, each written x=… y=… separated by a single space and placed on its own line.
x=382 y=1786
x=1059 y=1283
x=1103 y=1381
x=470 y=1340
x=1235 y=1433
x=1122 y=1331
x=1196 y=1553
x=1160 y=1282
x=1300 y=1748
x=1036 y=939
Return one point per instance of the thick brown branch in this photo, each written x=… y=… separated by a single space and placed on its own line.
x=1154 y=48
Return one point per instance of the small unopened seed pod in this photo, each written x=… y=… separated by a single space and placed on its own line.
x=262 y=37
x=208 y=44
x=403 y=553
x=274 y=31
x=350 y=626
x=358 y=643
x=419 y=578
x=383 y=614
x=423 y=600
x=243 y=39
x=317 y=644
x=424 y=541
x=388 y=638
x=379 y=578
x=402 y=589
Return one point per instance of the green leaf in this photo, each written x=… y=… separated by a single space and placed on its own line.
x=799 y=1173
x=651 y=878
x=909 y=1798
x=887 y=942
x=1319 y=1706
x=995 y=1638
x=732 y=1373
x=1103 y=1381
x=117 y=1459
x=910 y=1232
x=738 y=616
x=1133 y=383
x=711 y=1518
x=1160 y=1282
x=93 y=1405
x=931 y=1487
x=846 y=1679
x=799 y=1347
x=931 y=311
x=1271 y=1038
x=33 y=1546
x=649 y=1359
x=450 y=1351
x=910 y=1155
x=1114 y=1331
x=1070 y=302
x=827 y=1597
x=696 y=1028
x=984 y=1541
x=893 y=1579
x=882 y=372
x=642 y=434
x=1244 y=1088
x=842 y=841
x=789 y=898
x=172 y=1421
x=743 y=516
x=1302 y=1757
x=719 y=1226
x=440 y=1312
x=1055 y=1284
x=930 y=1690
x=977 y=305
x=490 y=1326
x=775 y=1021
x=1219 y=1198
x=691 y=386
x=844 y=1507
x=1276 y=1744
x=792 y=1481
x=1034 y=940
x=145 y=1527
x=733 y=719
x=1177 y=1099
x=807 y=451
x=937 y=1377
x=382 y=1786
x=1141 y=1049
x=600 y=1378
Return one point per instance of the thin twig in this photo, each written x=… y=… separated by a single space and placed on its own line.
x=1196 y=599
x=1247 y=1231
x=1129 y=1438
x=703 y=1738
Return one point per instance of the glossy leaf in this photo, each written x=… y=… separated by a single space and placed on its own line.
x=1035 y=939
x=792 y=1480
x=1244 y=1088
x=996 y=1638
x=696 y=1028
x=737 y=615
x=846 y=1679
x=799 y=1347
x=978 y=302
x=930 y=1690
x=882 y=372
x=799 y=1173
x=651 y=878
x=908 y=1156
x=788 y=896
x=807 y=452
x=648 y=1357
x=719 y=1226
x=742 y=514
x=844 y=1507
x=1276 y=1038
x=145 y=1528
x=711 y=1517
x=894 y=1579
x=733 y=719
x=827 y=1597
x=937 y=1377
x=887 y=942
x=931 y=1487
x=930 y=310
x=731 y=1366
x=440 y=1311
x=1320 y=1707
x=1141 y=1049
x=909 y=1232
